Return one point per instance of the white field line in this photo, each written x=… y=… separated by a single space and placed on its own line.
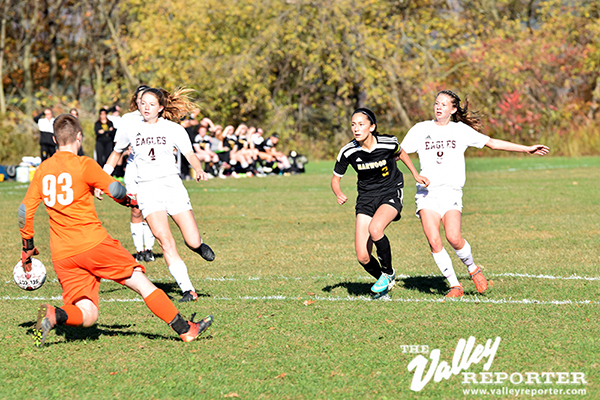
x=473 y=299
x=368 y=278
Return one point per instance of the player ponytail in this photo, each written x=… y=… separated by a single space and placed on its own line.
x=463 y=114
x=176 y=105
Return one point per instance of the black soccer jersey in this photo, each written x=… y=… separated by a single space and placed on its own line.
x=377 y=170
x=259 y=144
x=231 y=141
x=203 y=142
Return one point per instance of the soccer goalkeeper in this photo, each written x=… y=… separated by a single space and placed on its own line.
x=83 y=252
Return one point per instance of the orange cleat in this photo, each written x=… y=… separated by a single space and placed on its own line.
x=479 y=280
x=196 y=328
x=455 y=291
x=46 y=321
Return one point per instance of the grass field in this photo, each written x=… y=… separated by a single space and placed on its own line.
x=291 y=308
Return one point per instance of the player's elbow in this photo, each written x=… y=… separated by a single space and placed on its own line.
x=493 y=144
x=117 y=190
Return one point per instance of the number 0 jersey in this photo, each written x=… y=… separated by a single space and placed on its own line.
x=65 y=183
x=153 y=146
x=377 y=170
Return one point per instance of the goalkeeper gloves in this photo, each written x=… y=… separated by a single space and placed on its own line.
x=28 y=251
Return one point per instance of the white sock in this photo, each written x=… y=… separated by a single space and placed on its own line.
x=180 y=273
x=466 y=257
x=148 y=237
x=137 y=233
x=444 y=263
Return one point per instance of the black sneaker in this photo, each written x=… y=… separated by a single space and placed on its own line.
x=206 y=252
x=148 y=255
x=188 y=296
x=139 y=257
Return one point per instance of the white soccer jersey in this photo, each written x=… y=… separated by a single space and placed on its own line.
x=46 y=126
x=441 y=150
x=116 y=120
x=153 y=146
x=127 y=119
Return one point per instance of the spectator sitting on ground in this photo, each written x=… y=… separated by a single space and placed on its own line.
x=201 y=145
x=267 y=150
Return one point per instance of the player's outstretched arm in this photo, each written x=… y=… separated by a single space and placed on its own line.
x=119 y=194
x=197 y=165
x=497 y=144
x=403 y=156
x=96 y=179
x=337 y=190
x=109 y=167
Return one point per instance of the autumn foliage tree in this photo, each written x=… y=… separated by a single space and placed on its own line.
x=299 y=67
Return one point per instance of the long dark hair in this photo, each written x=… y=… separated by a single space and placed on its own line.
x=463 y=114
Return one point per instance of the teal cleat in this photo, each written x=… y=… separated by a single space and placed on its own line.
x=384 y=283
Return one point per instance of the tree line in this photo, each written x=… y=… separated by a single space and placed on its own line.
x=299 y=67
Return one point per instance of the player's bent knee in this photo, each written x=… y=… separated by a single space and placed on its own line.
x=136 y=213
x=363 y=258
x=376 y=232
x=456 y=241
x=89 y=311
x=436 y=246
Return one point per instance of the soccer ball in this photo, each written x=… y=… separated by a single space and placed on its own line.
x=33 y=279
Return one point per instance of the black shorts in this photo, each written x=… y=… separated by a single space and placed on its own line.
x=368 y=205
x=223 y=156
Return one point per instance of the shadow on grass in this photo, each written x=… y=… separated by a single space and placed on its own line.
x=72 y=334
x=170 y=288
x=173 y=291
x=426 y=284
x=353 y=288
x=436 y=285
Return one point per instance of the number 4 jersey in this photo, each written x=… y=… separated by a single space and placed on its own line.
x=153 y=146
x=65 y=183
x=377 y=170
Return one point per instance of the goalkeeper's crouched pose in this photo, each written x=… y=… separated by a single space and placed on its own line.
x=83 y=252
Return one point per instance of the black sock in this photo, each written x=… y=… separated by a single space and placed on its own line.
x=384 y=252
x=61 y=316
x=373 y=267
x=179 y=324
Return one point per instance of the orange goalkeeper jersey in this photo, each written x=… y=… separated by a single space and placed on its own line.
x=65 y=183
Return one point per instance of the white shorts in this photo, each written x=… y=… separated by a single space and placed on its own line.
x=439 y=199
x=130 y=177
x=163 y=194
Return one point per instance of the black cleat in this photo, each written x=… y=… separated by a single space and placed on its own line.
x=206 y=252
x=139 y=257
x=148 y=255
x=188 y=295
